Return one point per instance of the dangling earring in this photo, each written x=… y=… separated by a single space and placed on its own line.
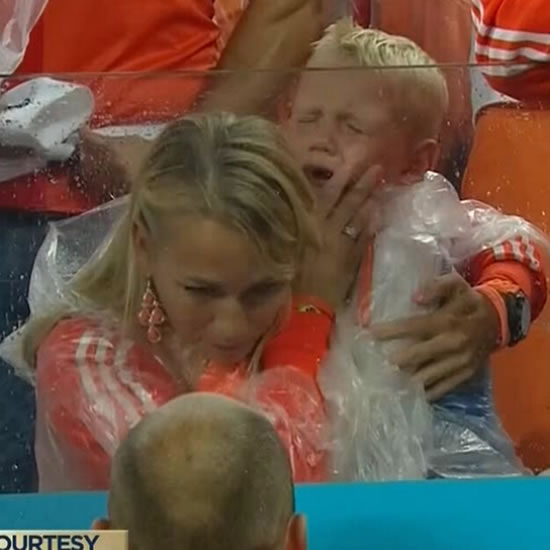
x=151 y=315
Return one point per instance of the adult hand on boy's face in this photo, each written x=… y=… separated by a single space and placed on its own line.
x=451 y=343
x=345 y=181
x=346 y=214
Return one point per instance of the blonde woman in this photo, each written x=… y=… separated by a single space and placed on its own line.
x=194 y=291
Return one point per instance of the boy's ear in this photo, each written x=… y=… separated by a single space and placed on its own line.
x=286 y=100
x=424 y=157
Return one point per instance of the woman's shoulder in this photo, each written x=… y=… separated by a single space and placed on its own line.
x=81 y=339
x=73 y=329
x=80 y=351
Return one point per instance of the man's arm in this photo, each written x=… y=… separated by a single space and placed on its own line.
x=272 y=39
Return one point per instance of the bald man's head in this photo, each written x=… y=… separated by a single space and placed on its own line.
x=202 y=472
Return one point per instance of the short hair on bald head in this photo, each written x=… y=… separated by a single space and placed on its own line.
x=203 y=472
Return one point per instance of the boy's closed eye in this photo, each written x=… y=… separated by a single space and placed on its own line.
x=307 y=119
x=355 y=128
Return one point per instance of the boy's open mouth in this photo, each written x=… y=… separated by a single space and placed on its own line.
x=318 y=175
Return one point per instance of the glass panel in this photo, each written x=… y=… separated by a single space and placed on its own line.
x=70 y=144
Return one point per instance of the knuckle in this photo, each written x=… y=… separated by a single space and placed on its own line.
x=468 y=373
x=449 y=321
x=461 y=341
x=467 y=359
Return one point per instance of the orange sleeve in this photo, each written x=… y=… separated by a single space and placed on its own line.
x=510 y=267
x=304 y=339
x=68 y=455
x=288 y=391
x=92 y=386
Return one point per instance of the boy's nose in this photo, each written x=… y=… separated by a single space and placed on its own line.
x=325 y=145
x=323 y=138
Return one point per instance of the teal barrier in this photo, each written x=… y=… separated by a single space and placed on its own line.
x=480 y=515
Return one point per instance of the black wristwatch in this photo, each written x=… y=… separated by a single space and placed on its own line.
x=518 y=309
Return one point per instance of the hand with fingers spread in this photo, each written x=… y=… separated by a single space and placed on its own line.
x=345 y=218
x=450 y=344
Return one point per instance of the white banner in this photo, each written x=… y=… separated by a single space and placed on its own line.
x=63 y=540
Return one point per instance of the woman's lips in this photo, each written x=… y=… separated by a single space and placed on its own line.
x=228 y=347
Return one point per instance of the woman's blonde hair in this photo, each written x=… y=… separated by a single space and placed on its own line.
x=418 y=86
x=236 y=170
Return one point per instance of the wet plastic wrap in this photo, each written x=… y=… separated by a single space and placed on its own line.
x=293 y=403
x=17 y=19
x=383 y=427
x=93 y=385
x=69 y=245
x=42 y=116
x=380 y=421
x=381 y=424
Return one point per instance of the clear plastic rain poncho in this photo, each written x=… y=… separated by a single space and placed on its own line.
x=380 y=425
x=383 y=427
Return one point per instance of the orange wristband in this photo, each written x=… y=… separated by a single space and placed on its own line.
x=311 y=304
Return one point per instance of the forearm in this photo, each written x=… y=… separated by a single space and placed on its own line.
x=271 y=39
x=304 y=340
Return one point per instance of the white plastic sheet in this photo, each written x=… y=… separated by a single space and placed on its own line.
x=381 y=426
x=17 y=19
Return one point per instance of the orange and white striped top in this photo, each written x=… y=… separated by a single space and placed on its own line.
x=514 y=37
x=93 y=384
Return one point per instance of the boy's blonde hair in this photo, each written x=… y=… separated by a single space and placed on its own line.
x=416 y=87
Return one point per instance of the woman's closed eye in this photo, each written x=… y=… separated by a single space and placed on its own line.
x=203 y=291
x=307 y=118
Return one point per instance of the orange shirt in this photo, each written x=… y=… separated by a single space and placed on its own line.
x=98 y=36
x=126 y=36
x=93 y=385
x=515 y=34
